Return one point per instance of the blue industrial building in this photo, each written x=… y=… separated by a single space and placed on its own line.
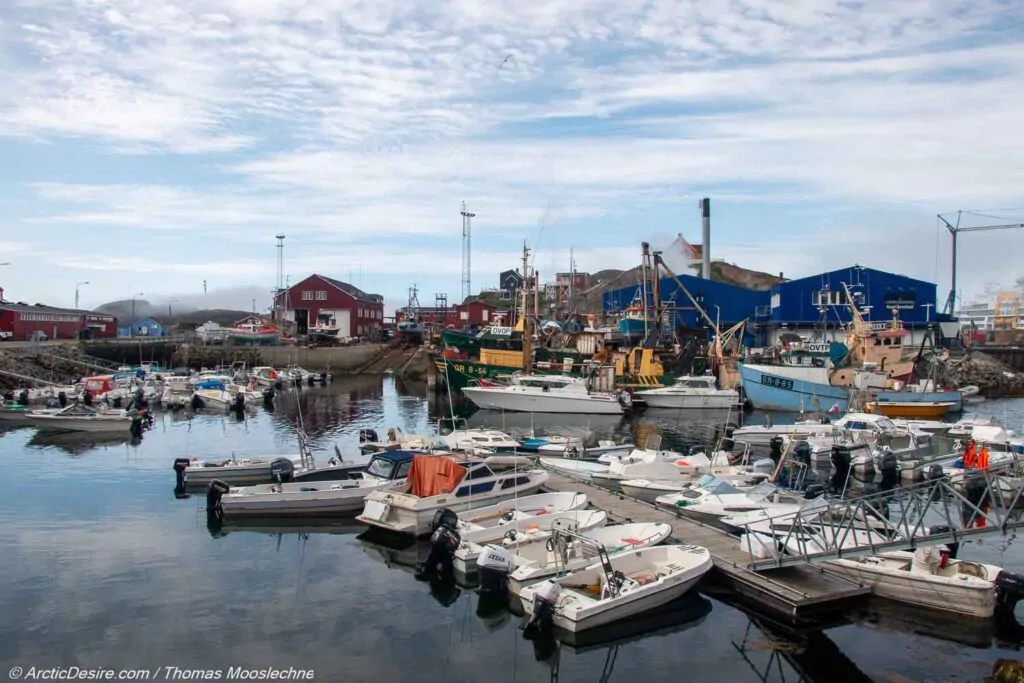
x=145 y=327
x=797 y=306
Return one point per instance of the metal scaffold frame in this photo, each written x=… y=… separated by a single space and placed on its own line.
x=902 y=518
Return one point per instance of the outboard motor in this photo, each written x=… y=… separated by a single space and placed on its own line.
x=136 y=428
x=213 y=495
x=23 y=397
x=802 y=452
x=238 y=403
x=728 y=443
x=116 y=402
x=976 y=492
x=196 y=402
x=268 y=394
x=311 y=379
x=368 y=436
x=625 y=400
x=181 y=466
x=841 y=458
x=282 y=469
x=542 y=620
x=935 y=472
x=62 y=398
x=139 y=398
x=1009 y=591
x=886 y=461
x=814 y=491
x=87 y=397
x=494 y=565
x=775 y=449
x=443 y=544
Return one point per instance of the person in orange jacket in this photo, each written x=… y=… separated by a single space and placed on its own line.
x=970 y=455
x=982 y=462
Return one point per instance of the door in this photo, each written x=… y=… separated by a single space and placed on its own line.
x=301 y=321
x=344 y=320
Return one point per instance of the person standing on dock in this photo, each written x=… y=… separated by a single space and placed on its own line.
x=970 y=458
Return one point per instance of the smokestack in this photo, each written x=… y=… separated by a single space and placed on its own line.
x=705 y=226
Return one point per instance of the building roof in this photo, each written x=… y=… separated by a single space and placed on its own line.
x=40 y=308
x=351 y=290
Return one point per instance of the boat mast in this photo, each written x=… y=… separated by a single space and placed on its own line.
x=527 y=327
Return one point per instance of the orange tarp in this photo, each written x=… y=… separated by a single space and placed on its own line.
x=432 y=475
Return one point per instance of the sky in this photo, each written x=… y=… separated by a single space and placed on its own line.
x=148 y=147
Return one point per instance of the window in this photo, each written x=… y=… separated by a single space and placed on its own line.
x=403 y=469
x=474 y=489
x=307 y=296
x=827 y=297
x=479 y=473
x=321 y=295
x=485 y=313
x=516 y=481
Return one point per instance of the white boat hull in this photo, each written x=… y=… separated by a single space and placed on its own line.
x=722 y=401
x=319 y=498
x=497 y=399
x=962 y=595
x=107 y=425
x=248 y=470
x=574 y=468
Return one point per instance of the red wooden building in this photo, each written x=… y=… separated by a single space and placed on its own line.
x=323 y=303
x=56 y=323
x=473 y=314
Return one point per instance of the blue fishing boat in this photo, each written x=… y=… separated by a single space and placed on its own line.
x=791 y=389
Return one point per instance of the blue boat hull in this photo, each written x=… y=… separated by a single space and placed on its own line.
x=954 y=397
x=766 y=391
x=634 y=327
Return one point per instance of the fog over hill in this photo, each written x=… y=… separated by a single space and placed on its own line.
x=161 y=306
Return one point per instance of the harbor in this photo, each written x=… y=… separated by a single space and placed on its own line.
x=87 y=492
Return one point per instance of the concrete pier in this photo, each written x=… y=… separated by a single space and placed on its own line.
x=803 y=592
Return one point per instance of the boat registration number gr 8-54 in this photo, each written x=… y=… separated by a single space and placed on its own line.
x=777 y=382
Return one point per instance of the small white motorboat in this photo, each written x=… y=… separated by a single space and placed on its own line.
x=604 y=447
x=532 y=561
x=649 y=490
x=691 y=392
x=579 y=521
x=615 y=588
x=444 y=481
x=237 y=470
x=385 y=471
x=177 y=392
x=710 y=500
x=548 y=394
x=584 y=469
x=80 y=418
x=927 y=578
x=490 y=523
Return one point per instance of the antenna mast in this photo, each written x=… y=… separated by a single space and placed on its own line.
x=467 y=230
x=280 y=262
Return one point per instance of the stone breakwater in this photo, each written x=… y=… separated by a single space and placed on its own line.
x=995 y=378
x=53 y=364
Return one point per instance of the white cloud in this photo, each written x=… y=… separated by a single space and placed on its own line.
x=354 y=123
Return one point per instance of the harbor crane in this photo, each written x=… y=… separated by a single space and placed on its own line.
x=955 y=228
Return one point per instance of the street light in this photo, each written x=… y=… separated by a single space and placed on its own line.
x=76 y=292
x=131 y=330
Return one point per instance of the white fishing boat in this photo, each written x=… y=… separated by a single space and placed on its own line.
x=548 y=394
x=691 y=393
x=531 y=561
x=237 y=470
x=964 y=428
x=490 y=523
x=80 y=418
x=438 y=482
x=536 y=531
x=926 y=578
x=301 y=375
x=266 y=376
x=177 y=392
x=616 y=588
x=212 y=397
x=385 y=471
x=584 y=469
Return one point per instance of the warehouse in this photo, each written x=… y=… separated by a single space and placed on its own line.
x=28 y=322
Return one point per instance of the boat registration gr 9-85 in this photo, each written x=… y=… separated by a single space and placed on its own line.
x=777 y=382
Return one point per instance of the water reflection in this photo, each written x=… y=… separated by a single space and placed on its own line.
x=79 y=443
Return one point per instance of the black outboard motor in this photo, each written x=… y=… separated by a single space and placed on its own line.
x=23 y=397
x=802 y=452
x=268 y=395
x=282 y=469
x=62 y=398
x=443 y=544
x=494 y=565
x=139 y=399
x=728 y=443
x=886 y=461
x=814 y=491
x=775 y=449
x=87 y=397
x=116 y=403
x=1009 y=591
x=213 y=495
x=181 y=466
x=238 y=403
x=311 y=379
x=841 y=458
x=368 y=436
x=542 y=619
x=196 y=402
x=137 y=426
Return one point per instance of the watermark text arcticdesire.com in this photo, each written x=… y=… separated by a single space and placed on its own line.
x=158 y=673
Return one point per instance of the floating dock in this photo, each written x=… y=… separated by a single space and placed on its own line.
x=801 y=592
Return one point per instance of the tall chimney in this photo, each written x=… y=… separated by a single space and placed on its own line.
x=705 y=226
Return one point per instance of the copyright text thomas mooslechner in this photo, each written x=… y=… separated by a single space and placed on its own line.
x=158 y=673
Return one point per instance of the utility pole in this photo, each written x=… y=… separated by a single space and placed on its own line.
x=205 y=307
x=467 y=232
x=76 y=292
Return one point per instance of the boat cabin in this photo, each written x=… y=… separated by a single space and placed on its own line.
x=706 y=382
x=480 y=479
x=98 y=385
x=390 y=464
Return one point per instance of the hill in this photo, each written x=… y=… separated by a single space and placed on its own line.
x=144 y=309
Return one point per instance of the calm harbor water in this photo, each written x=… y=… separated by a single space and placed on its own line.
x=104 y=567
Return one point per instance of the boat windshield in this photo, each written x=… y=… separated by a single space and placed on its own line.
x=379 y=467
x=714 y=485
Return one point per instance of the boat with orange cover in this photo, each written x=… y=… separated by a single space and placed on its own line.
x=438 y=482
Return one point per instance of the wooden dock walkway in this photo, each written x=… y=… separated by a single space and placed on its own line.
x=797 y=592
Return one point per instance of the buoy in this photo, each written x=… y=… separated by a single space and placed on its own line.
x=682 y=463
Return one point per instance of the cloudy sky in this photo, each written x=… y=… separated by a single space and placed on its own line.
x=149 y=146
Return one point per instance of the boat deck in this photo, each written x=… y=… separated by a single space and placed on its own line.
x=797 y=592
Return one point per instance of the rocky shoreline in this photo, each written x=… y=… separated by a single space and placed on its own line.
x=993 y=377
x=52 y=364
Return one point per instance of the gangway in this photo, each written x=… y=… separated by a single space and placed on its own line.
x=933 y=512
